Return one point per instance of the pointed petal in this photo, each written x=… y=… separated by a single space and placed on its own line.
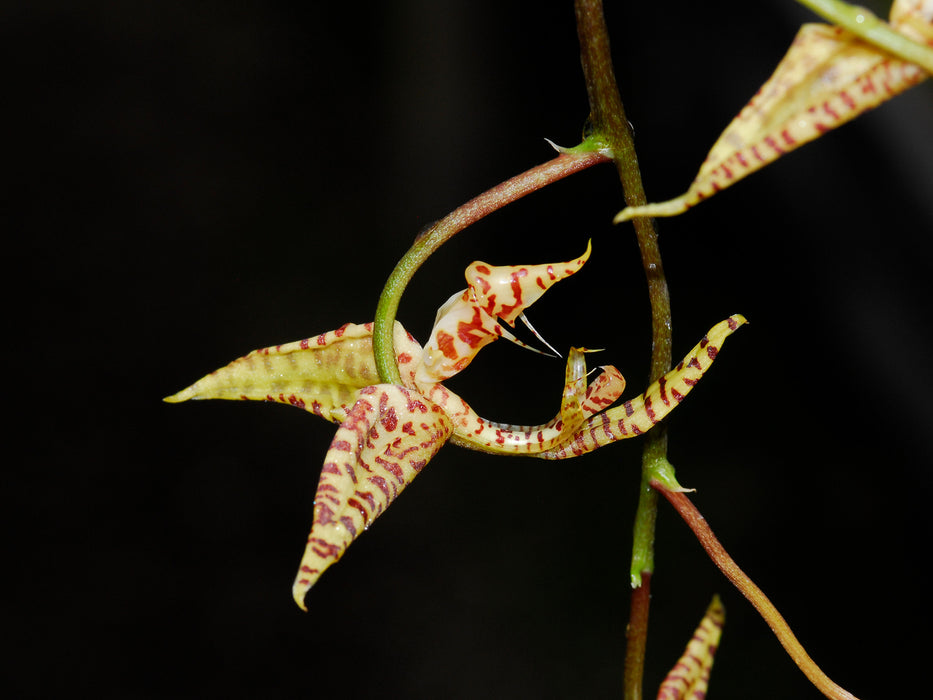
x=505 y=291
x=639 y=415
x=689 y=678
x=388 y=436
x=467 y=322
x=827 y=78
x=320 y=374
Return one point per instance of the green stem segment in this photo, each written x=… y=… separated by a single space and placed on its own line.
x=753 y=593
x=607 y=116
x=567 y=163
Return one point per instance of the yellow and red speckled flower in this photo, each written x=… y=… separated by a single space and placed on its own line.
x=388 y=432
x=828 y=77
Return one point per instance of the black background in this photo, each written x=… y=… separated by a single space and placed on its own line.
x=189 y=181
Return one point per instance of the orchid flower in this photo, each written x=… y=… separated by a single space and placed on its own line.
x=387 y=433
x=828 y=77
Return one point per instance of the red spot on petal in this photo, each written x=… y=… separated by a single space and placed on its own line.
x=389 y=419
x=445 y=343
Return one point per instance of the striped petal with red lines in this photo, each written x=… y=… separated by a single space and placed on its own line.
x=828 y=77
x=387 y=438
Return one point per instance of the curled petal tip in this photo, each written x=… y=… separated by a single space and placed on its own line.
x=299 y=590
x=734 y=321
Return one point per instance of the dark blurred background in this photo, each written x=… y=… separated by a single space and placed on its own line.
x=190 y=181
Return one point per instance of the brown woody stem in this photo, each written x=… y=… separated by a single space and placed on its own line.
x=636 y=635
x=609 y=123
x=755 y=595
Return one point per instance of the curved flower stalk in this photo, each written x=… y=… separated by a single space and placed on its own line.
x=828 y=77
x=690 y=676
x=752 y=592
x=388 y=433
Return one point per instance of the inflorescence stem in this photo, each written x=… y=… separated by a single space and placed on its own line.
x=609 y=122
x=753 y=593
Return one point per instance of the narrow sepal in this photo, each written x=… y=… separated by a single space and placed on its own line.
x=469 y=321
x=387 y=438
x=828 y=77
x=320 y=374
x=505 y=291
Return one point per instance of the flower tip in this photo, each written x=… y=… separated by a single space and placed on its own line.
x=672 y=207
x=623 y=215
x=299 y=591
x=182 y=395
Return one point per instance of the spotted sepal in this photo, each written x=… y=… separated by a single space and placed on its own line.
x=386 y=439
x=470 y=319
x=689 y=678
x=639 y=415
x=321 y=374
x=828 y=77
